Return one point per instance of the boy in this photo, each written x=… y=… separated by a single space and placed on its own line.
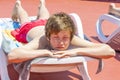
x=59 y=41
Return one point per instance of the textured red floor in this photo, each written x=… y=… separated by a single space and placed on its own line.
x=89 y=11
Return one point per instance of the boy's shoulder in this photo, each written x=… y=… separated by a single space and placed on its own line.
x=42 y=41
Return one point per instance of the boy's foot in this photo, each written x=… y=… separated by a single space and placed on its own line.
x=113 y=10
x=15 y=12
x=42 y=2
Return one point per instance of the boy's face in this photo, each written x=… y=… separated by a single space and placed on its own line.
x=61 y=40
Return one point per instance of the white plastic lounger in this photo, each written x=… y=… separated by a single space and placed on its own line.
x=56 y=65
x=53 y=64
x=3 y=62
x=114 y=38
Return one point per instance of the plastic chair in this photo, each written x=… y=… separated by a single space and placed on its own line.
x=114 y=38
x=54 y=64
x=3 y=62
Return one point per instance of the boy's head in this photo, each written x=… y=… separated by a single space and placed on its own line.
x=58 y=22
x=59 y=30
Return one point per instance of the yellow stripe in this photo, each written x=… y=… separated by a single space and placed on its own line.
x=8 y=34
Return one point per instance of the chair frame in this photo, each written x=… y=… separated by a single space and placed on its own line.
x=113 y=38
x=81 y=64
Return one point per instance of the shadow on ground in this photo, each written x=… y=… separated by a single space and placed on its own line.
x=63 y=75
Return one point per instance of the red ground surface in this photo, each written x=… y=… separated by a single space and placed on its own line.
x=89 y=11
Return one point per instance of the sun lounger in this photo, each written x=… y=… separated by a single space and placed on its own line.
x=114 y=38
x=46 y=64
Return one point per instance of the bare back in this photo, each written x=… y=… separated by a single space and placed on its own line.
x=34 y=32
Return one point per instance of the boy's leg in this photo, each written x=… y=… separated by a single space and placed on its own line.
x=43 y=12
x=19 y=14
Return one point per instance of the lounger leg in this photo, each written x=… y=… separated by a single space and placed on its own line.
x=3 y=63
x=3 y=66
x=84 y=71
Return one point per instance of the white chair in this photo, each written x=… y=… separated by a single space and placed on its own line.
x=3 y=62
x=114 y=38
x=54 y=64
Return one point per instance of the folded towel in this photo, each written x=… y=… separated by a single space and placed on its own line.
x=9 y=42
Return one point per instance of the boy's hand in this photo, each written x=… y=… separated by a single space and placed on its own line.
x=61 y=54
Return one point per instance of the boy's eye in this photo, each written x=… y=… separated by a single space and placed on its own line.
x=55 y=37
x=65 y=38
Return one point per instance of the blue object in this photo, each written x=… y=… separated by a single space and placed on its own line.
x=16 y=25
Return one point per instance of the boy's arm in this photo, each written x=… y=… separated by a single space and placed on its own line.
x=29 y=51
x=86 y=48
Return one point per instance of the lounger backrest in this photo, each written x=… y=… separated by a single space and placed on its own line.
x=78 y=25
x=114 y=38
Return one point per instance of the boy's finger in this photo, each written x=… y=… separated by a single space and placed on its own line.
x=58 y=53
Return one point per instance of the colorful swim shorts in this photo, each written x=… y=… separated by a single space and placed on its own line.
x=21 y=33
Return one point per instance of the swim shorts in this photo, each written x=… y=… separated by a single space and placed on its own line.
x=21 y=33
